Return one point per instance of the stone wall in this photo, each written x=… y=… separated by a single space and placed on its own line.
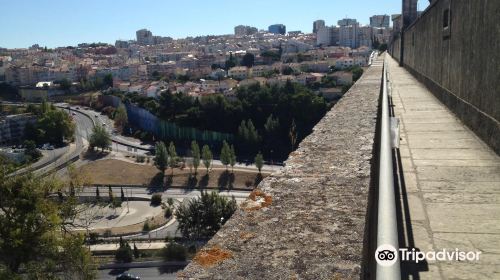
x=311 y=220
x=460 y=63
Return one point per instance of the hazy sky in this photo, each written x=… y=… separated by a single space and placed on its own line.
x=69 y=22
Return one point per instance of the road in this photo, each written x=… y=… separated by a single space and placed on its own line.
x=181 y=195
x=132 y=145
x=146 y=273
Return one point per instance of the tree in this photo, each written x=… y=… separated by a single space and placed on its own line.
x=121 y=118
x=97 y=194
x=172 y=156
x=248 y=60
x=230 y=63
x=111 y=195
x=225 y=154
x=195 y=153
x=287 y=70
x=156 y=199
x=137 y=253
x=31 y=151
x=207 y=156
x=100 y=138
x=33 y=231
x=161 y=157
x=124 y=253
x=65 y=84
x=356 y=73
x=174 y=252
x=232 y=158
x=122 y=196
x=293 y=134
x=203 y=216
x=259 y=161
x=107 y=81
x=53 y=126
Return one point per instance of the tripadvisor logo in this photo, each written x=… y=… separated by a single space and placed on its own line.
x=387 y=255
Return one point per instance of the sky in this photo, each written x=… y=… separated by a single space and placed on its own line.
x=56 y=23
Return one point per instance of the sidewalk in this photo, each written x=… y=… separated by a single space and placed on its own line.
x=450 y=190
x=115 y=246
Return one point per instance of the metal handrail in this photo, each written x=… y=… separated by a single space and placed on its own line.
x=387 y=232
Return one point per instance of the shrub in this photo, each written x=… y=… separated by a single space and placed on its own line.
x=146 y=226
x=174 y=252
x=156 y=199
x=168 y=212
x=124 y=253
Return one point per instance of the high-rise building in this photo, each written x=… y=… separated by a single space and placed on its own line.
x=347 y=22
x=144 y=37
x=277 y=29
x=365 y=35
x=409 y=12
x=242 y=30
x=380 y=21
x=348 y=35
x=328 y=36
x=396 y=22
x=317 y=25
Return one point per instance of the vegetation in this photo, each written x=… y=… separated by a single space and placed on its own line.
x=252 y=106
x=207 y=157
x=248 y=60
x=225 y=154
x=174 y=252
x=100 y=138
x=195 y=153
x=37 y=227
x=52 y=126
x=161 y=157
x=203 y=216
x=156 y=199
x=173 y=159
x=30 y=150
x=259 y=161
x=124 y=252
x=121 y=118
x=356 y=73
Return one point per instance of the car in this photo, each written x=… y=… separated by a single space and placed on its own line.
x=78 y=108
x=127 y=276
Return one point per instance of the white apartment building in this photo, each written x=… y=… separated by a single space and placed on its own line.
x=348 y=36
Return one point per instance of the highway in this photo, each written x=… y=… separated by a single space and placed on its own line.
x=146 y=273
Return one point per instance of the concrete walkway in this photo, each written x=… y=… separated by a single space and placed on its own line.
x=450 y=188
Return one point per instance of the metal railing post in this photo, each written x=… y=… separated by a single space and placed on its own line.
x=387 y=231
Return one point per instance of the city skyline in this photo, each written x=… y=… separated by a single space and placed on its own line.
x=93 y=23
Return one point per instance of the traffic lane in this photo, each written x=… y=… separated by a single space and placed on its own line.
x=146 y=273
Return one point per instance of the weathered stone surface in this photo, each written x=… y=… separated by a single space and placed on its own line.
x=315 y=225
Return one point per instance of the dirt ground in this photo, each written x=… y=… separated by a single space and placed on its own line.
x=118 y=172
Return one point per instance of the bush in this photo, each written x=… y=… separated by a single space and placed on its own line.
x=174 y=252
x=146 y=226
x=140 y=158
x=168 y=212
x=124 y=253
x=93 y=238
x=156 y=199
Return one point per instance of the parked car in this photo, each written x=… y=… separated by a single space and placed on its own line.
x=127 y=276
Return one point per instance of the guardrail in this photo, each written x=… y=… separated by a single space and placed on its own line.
x=387 y=231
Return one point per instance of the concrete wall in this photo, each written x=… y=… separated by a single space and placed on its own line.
x=314 y=219
x=460 y=64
